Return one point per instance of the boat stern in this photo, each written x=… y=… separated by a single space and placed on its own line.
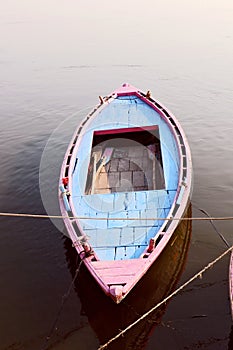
x=116 y=293
x=118 y=277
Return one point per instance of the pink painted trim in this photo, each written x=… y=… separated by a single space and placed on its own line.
x=231 y=283
x=125 y=130
x=126 y=89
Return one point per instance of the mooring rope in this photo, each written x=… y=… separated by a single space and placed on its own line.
x=213 y=225
x=197 y=275
x=44 y=216
x=64 y=299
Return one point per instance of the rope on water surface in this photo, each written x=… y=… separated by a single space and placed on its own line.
x=64 y=299
x=44 y=216
x=213 y=225
x=197 y=275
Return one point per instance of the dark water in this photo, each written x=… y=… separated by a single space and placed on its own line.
x=56 y=58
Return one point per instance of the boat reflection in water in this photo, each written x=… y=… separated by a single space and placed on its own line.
x=107 y=318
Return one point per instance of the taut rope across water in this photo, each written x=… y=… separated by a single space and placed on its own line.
x=45 y=216
x=197 y=275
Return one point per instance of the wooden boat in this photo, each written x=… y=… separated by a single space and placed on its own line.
x=125 y=183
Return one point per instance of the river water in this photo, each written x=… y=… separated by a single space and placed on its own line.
x=56 y=58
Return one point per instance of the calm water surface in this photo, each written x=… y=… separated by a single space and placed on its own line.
x=56 y=58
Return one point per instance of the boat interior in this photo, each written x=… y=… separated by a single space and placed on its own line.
x=125 y=161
